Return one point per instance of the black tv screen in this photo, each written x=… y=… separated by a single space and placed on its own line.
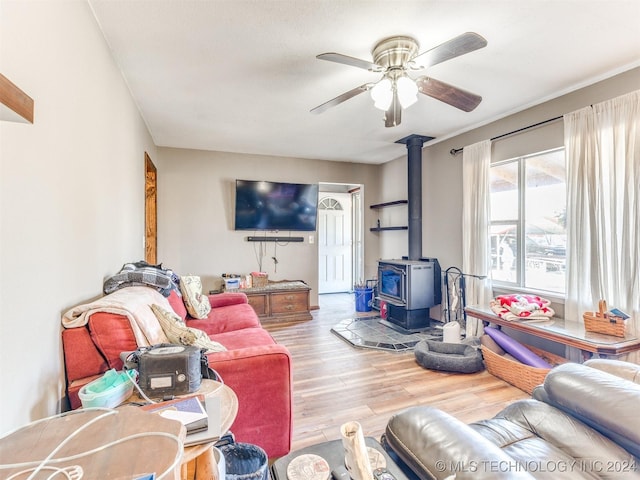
x=262 y=205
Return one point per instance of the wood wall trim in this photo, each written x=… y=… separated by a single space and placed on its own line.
x=151 y=211
x=15 y=100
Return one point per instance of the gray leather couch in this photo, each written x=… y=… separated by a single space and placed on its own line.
x=582 y=423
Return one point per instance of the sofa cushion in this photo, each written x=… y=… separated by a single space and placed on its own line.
x=177 y=332
x=112 y=335
x=248 y=337
x=603 y=401
x=529 y=430
x=84 y=359
x=225 y=299
x=177 y=304
x=226 y=319
x=197 y=304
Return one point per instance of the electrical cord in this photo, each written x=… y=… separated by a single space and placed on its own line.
x=75 y=472
x=36 y=466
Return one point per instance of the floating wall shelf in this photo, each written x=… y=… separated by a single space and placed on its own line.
x=389 y=204
x=380 y=229
x=384 y=205
x=15 y=105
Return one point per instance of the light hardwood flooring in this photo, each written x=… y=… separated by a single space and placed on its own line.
x=334 y=383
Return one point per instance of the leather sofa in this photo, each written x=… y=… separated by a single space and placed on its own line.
x=254 y=366
x=583 y=422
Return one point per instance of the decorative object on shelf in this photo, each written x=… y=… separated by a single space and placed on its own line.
x=259 y=279
x=612 y=323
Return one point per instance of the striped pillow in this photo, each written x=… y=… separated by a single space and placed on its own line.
x=197 y=304
x=177 y=332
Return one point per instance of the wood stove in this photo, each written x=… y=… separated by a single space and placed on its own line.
x=410 y=288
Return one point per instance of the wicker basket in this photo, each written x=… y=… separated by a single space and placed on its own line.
x=258 y=280
x=518 y=374
x=603 y=322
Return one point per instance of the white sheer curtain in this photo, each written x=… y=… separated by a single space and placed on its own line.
x=603 y=208
x=476 y=256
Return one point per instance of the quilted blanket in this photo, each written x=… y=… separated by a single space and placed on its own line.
x=132 y=302
x=522 y=307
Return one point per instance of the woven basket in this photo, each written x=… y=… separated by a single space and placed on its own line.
x=259 y=280
x=518 y=374
x=603 y=322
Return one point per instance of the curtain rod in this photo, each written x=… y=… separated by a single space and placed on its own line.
x=455 y=151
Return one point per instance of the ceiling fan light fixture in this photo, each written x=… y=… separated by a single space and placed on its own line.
x=407 y=91
x=382 y=94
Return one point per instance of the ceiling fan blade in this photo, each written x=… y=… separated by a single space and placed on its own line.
x=446 y=93
x=393 y=116
x=352 y=61
x=465 y=43
x=341 y=98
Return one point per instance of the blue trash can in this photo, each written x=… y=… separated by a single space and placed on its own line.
x=244 y=461
x=364 y=299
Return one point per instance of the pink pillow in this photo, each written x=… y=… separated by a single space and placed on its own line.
x=112 y=335
x=177 y=304
x=81 y=357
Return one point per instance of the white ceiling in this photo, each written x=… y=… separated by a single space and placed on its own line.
x=241 y=75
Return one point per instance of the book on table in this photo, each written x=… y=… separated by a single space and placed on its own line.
x=190 y=411
x=213 y=432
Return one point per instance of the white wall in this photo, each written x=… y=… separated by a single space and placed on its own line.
x=196 y=194
x=442 y=173
x=71 y=192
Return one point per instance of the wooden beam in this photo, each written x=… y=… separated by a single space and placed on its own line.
x=16 y=105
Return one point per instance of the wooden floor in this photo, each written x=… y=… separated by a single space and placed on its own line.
x=334 y=382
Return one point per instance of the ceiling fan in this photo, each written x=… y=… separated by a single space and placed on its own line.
x=394 y=57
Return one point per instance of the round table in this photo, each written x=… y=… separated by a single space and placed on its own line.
x=198 y=462
x=127 y=442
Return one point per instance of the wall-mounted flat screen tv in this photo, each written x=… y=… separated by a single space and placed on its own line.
x=262 y=205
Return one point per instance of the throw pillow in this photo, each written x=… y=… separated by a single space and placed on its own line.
x=177 y=332
x=197 y=304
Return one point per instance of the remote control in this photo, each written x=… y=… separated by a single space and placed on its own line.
x=340 y=473
x=383 y=474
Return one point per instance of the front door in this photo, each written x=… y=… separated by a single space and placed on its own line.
x=334 y=243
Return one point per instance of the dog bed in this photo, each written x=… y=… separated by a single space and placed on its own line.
x=449 y=357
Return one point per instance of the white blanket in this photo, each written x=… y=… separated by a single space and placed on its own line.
x=131 y=302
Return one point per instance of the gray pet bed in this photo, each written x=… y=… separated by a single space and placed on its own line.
x=449 y=357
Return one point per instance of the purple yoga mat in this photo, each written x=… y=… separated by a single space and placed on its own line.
x=516 y=349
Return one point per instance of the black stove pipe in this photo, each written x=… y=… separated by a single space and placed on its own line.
x=414 y=161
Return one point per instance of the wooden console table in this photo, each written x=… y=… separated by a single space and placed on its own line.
x=565 y=332
x=280 y=300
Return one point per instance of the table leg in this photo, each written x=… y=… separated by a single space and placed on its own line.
x=206 y=466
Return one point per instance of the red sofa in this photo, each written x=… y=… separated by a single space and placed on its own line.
x=254 y=366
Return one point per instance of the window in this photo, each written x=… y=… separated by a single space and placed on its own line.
x=528 y=221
